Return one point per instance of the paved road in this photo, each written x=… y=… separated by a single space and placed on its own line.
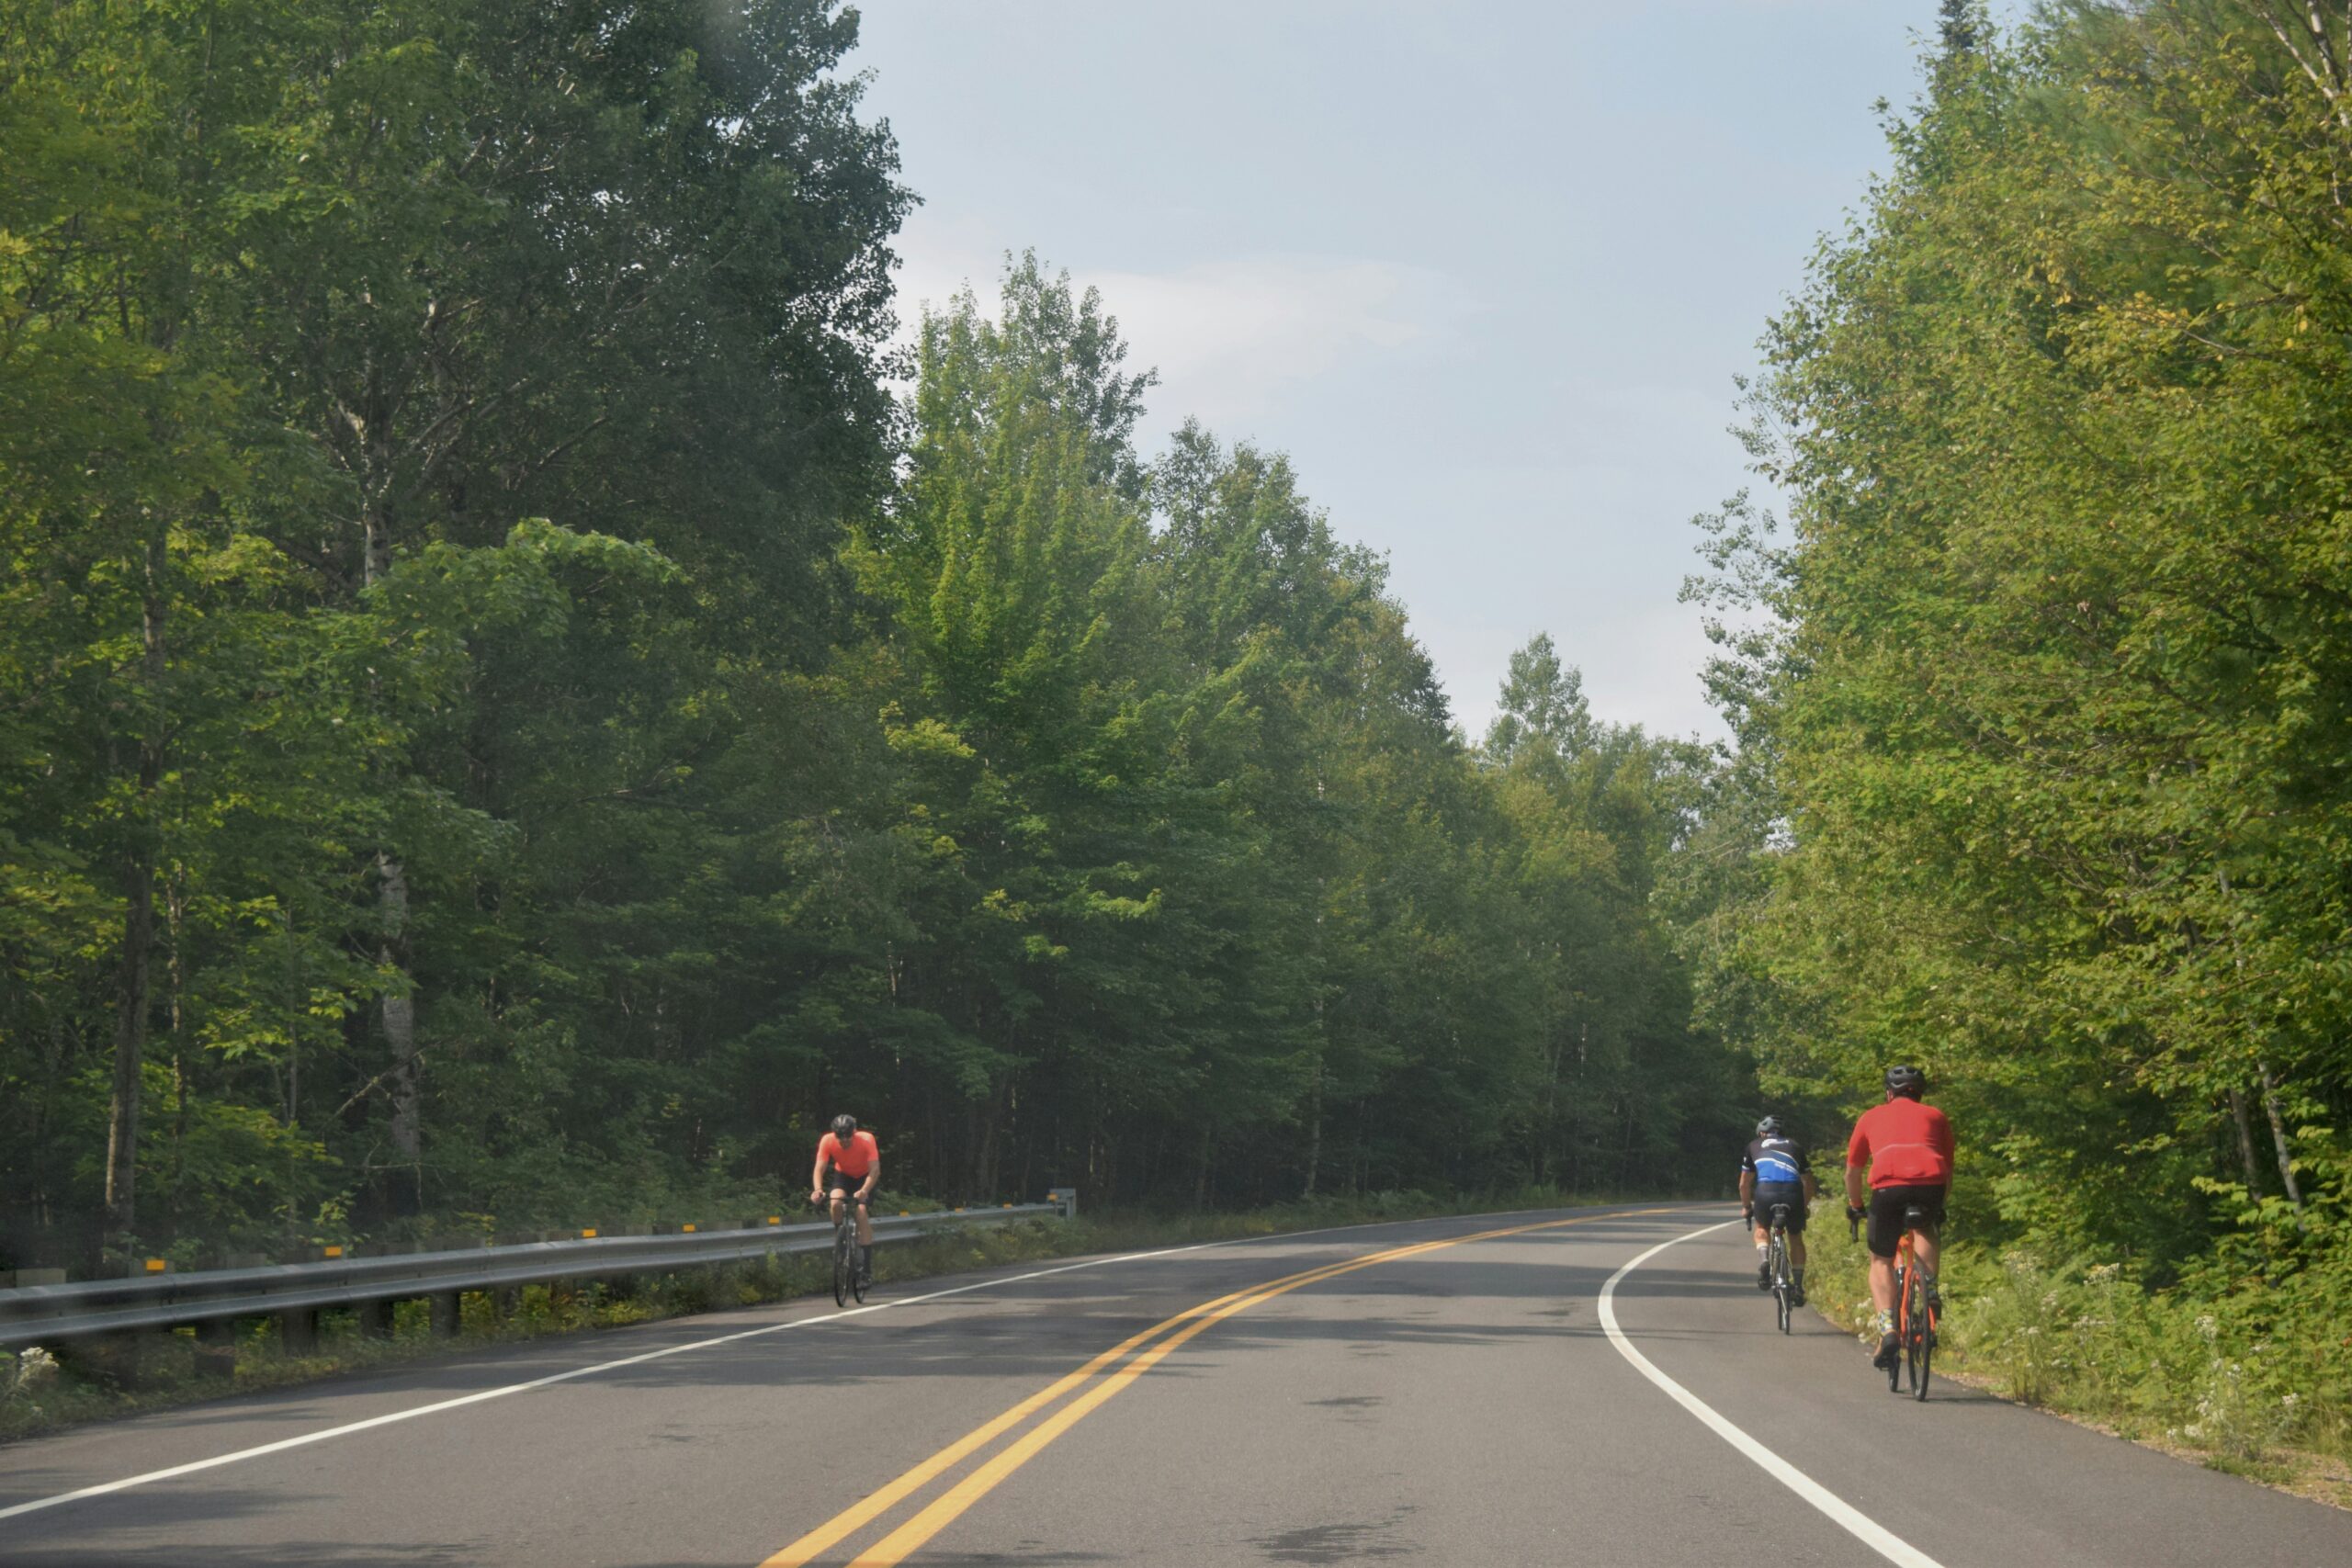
x=1431 y=1393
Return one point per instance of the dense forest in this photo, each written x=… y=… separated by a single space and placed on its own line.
x=2044 y=698
x=518 y=702
x=529 y=679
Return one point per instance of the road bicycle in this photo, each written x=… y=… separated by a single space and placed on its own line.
x=851 y=1263
x=1776 y=1267
x=1916 y=1311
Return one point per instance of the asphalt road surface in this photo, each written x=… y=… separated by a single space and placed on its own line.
x=1596 y=1386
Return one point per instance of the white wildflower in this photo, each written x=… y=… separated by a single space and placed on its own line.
x=34 y=1366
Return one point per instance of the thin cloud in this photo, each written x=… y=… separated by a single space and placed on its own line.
x=1227 y=336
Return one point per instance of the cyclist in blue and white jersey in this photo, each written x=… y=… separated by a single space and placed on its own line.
x=1772 y=1171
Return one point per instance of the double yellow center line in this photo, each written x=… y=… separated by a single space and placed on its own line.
x=1142 y=1352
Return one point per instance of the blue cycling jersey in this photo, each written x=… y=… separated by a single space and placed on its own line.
x=1776 y=1159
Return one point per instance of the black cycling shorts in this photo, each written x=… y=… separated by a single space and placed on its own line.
x=1768 y=1193
x=1887 y=1204
x=847 y=1186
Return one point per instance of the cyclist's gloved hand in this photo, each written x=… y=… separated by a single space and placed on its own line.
x=1856 y=1216
x=1748 y=1216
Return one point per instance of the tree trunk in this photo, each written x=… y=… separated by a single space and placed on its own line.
x=1201 y=1168
x=1548 y=1145
x=980 y=1184
x=2245 y=1144
x=129 y=1043
x=2279 y=1134
x=131 y=968
x=405 y=1191
x=174 y=1196
x=1314 y=1126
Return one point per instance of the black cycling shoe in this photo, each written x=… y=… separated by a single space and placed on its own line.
x=1763 y=1276
x=1889 y=1352
x=1796 y=1295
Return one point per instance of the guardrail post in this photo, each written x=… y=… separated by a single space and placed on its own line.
x=445 y=1313
x=298 y=1331
x=216 y=1348
x=1067 y=1198
x=376 y=1319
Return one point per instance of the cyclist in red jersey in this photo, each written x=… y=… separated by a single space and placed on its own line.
x=1907 y=1147
x=857 y=1162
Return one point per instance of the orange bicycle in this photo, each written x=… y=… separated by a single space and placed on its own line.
x=1914 y=1310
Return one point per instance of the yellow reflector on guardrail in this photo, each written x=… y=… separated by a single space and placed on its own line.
x=686 y=1227
x=331 y=1251
x=588 y=1235
x=156 y=1265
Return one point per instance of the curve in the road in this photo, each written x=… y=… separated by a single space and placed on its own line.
x=1876 y=1536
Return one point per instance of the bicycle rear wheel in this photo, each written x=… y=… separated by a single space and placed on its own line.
x=1902 y=1326
x=1921 y=1346
x=1782 y=1288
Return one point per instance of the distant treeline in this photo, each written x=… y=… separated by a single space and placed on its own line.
x=505 y=721
x=2046 y=706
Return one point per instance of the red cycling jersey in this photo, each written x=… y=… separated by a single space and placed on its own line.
x=1904 y=1144
x=851 y=1160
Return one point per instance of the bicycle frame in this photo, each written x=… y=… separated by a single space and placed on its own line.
x=1915 y=1325
x=1777 y=1261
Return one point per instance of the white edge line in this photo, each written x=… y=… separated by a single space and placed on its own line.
x=1869 y=1531
x=265 y=1449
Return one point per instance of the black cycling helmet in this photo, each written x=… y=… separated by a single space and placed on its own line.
x=1907 y=1080
x=1769 y=1125
x=845 y=1125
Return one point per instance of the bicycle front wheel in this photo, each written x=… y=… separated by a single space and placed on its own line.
x=844 y=1266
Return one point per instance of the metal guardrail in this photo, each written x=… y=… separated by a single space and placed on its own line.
x=51 y=1313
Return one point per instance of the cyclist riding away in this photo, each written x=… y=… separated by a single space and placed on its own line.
x=856 y=1162
x=1906 y=1146
x=1772 y=1171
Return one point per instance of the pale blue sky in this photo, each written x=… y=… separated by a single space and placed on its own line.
x=1485 y=272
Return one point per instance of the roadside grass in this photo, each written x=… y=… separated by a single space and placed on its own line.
x=50 y=1396
x=2093 y=1346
